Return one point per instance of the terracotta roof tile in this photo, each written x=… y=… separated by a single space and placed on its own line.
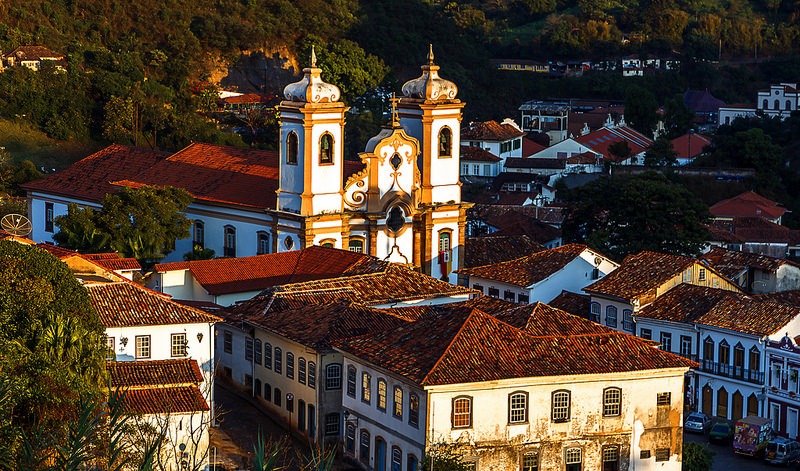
x=259 y=272
x=466 y=346
x=487 y=304
x=492 y=248
x=170 y=400
x=731 y=263
x=755 y=229
x=791 y=297
x=124 y=304
x=34 y=53
x=516 y=223
x=686 y=303
x=747 y=204
x=127 y=374
x=573 y=303
x=640 y=274
x=89 y=179
x=216 y=174
x=542 y=320
x=530 y=147
x=600 y=140
x=530 y=269
x=489 y=131
x=477 y=154
x=113 y=262
x=682 y=146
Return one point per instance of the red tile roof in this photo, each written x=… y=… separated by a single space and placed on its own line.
x=247 y=98
x=113 y=262
x=530 y=147
x=169 y=400
x=259 y=272
x=27 y=53
x=127 y=374
x=216 y=174
x=477 y=154
x=516 y=223
x=573 y=303
x=542 y=320
x=89 y=179
x=722 y=309
x=466 y=345
x=487 y=304
x=488 y=249
x=732 y=263
x=682 y=146
x=640 y=274
x=747 y=204
x=600 y=140
x=314 y=325
x=754 y=230
x=530 y=269
x=489 y=131
x=791 y=297
x=124 y=304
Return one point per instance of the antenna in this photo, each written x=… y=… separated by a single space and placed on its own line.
x=16 y=225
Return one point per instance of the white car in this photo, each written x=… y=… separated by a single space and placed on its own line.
x=697 y=422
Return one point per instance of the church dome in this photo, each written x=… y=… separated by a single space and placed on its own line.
x=430 y=86
x=311 y=88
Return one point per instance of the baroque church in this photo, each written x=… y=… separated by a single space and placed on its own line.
x=404 y=205
x=402 y=202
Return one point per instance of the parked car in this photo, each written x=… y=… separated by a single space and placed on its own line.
x=721 y=432
x=782 y=451
x=697 y=422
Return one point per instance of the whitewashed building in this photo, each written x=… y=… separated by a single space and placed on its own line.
x=515 y=404
x=541 y=276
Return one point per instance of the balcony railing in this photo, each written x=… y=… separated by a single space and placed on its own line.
x=730 y=371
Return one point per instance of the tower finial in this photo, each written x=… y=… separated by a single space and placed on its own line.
x=395 y=118
x=313 y=57
x=430 y=54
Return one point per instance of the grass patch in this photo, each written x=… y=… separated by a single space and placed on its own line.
x=22 y=142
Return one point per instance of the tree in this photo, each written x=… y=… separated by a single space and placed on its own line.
x=640 y=109
x=620 y=150
x=677 y=117
x=621 y=216
x=697 y=457
x=754 y=149
x=444 y=457
x=142 y=223
x=346 y=65
x=52 y=341
x=661 y=153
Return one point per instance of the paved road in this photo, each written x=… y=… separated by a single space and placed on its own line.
x=727 y=460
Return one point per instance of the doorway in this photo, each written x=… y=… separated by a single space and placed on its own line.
x=380 y=454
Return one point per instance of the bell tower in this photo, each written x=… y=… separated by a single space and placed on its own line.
x=311 y=145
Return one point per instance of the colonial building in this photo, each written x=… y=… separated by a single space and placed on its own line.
x=640 y=280
x=755 y=273
x=520 y=402
x=541 y=276
x=402 y=203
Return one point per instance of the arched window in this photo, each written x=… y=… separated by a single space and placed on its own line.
x=462 y=412
x=722 y=403
x=277 y=397
x=312 y=375
x=765 y=104
x=330 y=243
x=612 y=402
x=755 y=360
x=413 y=410
x=708 y=350
x=397 y=459
x=230 y=241
x=395 y=220
x=445 y=142
x=326 y=149
x=199 y=235
x=290 y=365
x=594 y=310
x=560 y=406
x=257 y=387
x=627 y=320
x=788 y=105
x=727 y=120
x=292 y=147
x=278 y=360
x=413 y=464
x=381 y=394
x=301 y=415
x=333 y=376
x=356 y=245
x=397 y=406
x=518 y=408
x=267 y=355
x=777 y=105
x=752 y=404
x=363 y=452
x=267 y=392
x=301 y=370
x=724 y=352
x=262 y=243
x=351 y=381
x=366 y=387
x=444 y=242
x=611 y=316
x=738 y=360
x=350 y=438
x=257 y=352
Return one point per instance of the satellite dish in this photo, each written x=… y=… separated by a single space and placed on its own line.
x=16 y=225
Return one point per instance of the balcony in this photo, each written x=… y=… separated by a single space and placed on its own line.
x=730 y=371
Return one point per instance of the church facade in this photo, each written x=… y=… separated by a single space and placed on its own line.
x=402 y=202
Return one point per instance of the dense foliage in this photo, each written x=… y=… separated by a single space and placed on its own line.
x=52 y=342
x=142 y=223
x=622 y=216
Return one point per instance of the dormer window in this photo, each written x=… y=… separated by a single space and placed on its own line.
x=445 y=142
x=326 y=149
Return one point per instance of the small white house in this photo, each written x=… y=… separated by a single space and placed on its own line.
x=541 y=276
